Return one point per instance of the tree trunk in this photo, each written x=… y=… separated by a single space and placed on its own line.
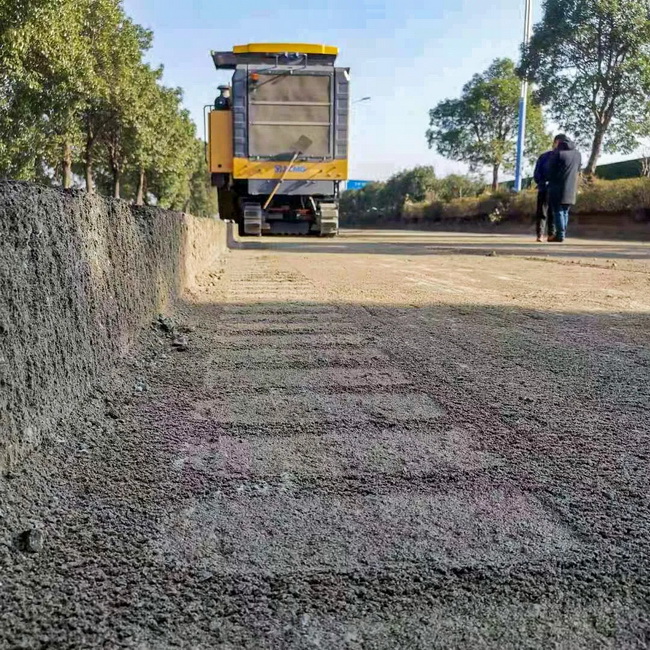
x=139 y=199
x=90 y=185
x=495 y=177
x=67 y=166
x=596 y=150
x=88 y=158
x=116 y=183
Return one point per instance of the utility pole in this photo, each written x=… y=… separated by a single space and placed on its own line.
x=523 y=101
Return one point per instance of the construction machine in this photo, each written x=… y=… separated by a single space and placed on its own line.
x=278 y=138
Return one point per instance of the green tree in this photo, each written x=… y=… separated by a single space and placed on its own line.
x=116 y=45
x=151 y=123
x=75 y=95
x=591 y=62
x=124 y=108
x=415 y=185
x=369 y=200
x=203 y=197
x=18 y=85
x=168 y=178
x=388 y=198
x=480 y=127
x=419 y=184
x=45 y=74
x=458 y=186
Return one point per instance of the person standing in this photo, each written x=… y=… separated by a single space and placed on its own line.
x=563 y=176
x=543 y=219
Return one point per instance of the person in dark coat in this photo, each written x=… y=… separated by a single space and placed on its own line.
x=563 y=176
x=544 y=222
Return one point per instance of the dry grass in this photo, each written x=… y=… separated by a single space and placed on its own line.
x=595 y=197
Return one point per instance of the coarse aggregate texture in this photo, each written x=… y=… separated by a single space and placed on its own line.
x=79 y=276
x=386 y=440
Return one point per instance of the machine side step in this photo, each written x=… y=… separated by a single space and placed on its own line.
x=252 y=219
x=328 y=219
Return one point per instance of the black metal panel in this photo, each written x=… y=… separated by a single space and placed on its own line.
x=224 y=60
x=280 y=59
x=240 y=113
x=292 y=188
x=341 y=113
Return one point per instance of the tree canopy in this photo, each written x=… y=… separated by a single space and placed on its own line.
x=415 y=185
x=480 y=127
x=410 y=185
x=590 y=61
x=79 y=106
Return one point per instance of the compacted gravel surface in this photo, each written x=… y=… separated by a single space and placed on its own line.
x=385 y=440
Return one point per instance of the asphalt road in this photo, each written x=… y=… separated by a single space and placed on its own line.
x=385 y=440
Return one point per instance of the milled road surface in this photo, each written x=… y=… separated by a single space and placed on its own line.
x=386 y=440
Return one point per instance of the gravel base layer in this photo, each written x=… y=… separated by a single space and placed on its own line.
x=379 y=441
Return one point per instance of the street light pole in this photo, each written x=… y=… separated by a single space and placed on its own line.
x=523 y=101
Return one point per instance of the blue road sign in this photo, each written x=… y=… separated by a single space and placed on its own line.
x=356 y=185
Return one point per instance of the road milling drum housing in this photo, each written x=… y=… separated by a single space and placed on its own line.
x=278 y=138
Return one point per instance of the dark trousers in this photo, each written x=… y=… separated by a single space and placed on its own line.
x=544 y=217
x=561 y=218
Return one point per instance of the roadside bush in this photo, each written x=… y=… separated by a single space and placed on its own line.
x=467 y=208
x=523 y=204
x=595 y=197
x=492 y=206
x=613 y=197
x=416 y=211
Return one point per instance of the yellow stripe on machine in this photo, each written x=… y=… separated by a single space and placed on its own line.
x=280 y=48
x=329 y=170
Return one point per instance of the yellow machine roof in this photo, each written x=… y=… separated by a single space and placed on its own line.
x=279 y=48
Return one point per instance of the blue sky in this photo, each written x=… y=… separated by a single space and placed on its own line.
x=406 y=54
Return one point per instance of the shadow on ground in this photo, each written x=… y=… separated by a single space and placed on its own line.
x=448 y=244
x=346 y=475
